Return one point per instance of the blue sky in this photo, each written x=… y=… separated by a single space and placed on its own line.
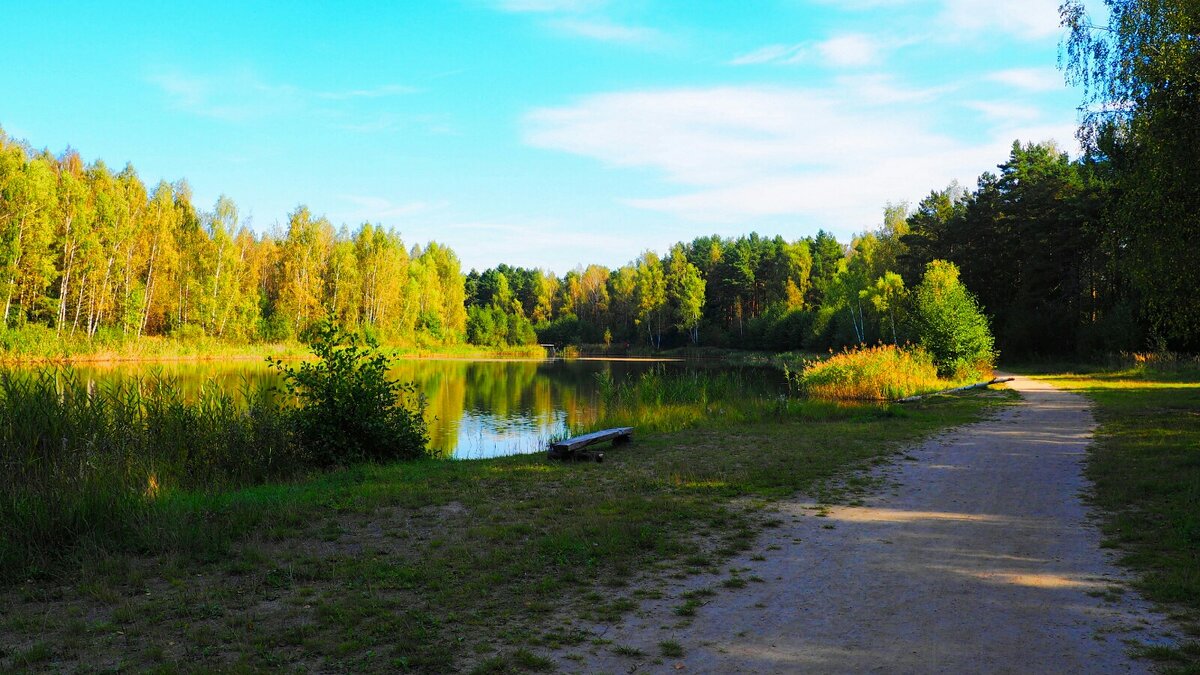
x=544 y=132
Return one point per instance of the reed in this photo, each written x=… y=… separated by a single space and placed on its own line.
x=81 y=461
x=881 y=373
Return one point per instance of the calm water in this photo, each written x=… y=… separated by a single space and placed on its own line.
x=476 y=408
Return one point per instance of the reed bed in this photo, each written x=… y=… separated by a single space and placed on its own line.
x=881 y=373
x=79 y=462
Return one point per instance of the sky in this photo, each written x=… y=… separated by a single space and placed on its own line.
x=544 y=133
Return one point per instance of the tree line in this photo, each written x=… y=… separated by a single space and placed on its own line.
x=1066 y=257
x=1041 y=242
x=87 y=251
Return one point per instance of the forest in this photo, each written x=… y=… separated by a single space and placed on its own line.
x=1066 y=256
x=1044 y=243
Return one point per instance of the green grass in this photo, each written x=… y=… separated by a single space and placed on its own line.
x=1146 y=469
x=433 y=565
x=670 y=649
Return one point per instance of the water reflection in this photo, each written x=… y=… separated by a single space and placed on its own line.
x=476 y=408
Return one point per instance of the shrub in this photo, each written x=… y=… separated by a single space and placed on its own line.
x=950 y=325
x=886 y=372
x=349 y=411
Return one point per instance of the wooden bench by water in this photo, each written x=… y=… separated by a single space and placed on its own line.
x=575 y=448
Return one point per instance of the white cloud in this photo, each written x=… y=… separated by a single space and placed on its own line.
x=1005 y=111
x=605 y=31
x=1029 y=19
x=236 y=96
x=526 y=242
x=734 y=153
x=241 y=96
x=850 y=50
x=767 y=54
x=1030 y=79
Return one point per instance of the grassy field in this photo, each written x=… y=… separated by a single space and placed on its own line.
x=440 y=565
x=1146 y=469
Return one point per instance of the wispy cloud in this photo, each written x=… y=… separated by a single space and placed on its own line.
x=530 y=242
x=776 y=53
x=733 y=153
x=242 y=95
x=372 y=92
x=236 y=96
x=848 y=50
x=380 y=209
x=584 y=19
x=1005 y=111
x=1027 y=19
x=1029 y=79
x=605 y=31
x=547 y=6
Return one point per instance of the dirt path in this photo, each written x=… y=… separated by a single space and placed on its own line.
x=981 y=559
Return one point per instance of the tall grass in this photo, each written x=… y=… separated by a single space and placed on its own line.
x=79 y=462
x=882 y=373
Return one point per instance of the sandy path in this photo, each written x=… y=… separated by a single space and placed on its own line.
x=981 y=559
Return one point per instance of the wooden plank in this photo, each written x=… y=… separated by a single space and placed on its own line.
x=570 y=446
x=977 y=385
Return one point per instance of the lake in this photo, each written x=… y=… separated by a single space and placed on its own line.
x=477 y=408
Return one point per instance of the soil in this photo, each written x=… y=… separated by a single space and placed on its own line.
x=978 y=555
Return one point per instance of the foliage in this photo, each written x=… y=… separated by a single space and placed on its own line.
x=881 y=373
x=950 y=324
x=84 y=251
x=1141 y=76
x=1063 y=256
x=348 y=409
x=493 y=327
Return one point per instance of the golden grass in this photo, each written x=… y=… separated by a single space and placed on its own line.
x=881 y=373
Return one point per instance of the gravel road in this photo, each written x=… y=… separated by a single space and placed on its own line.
x=978 y=556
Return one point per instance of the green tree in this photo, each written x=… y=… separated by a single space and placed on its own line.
x=949 y=324
x=1141 y=76
x=887 y=296
x=685 y=293
x=651 y=294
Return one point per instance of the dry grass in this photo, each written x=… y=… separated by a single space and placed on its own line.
x=882 y=373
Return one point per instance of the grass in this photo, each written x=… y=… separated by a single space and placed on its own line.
x=432 y=565
x=81 y=464
x=1146 y=469
x=40 y=344
x=670 y=649
x=880 y=373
